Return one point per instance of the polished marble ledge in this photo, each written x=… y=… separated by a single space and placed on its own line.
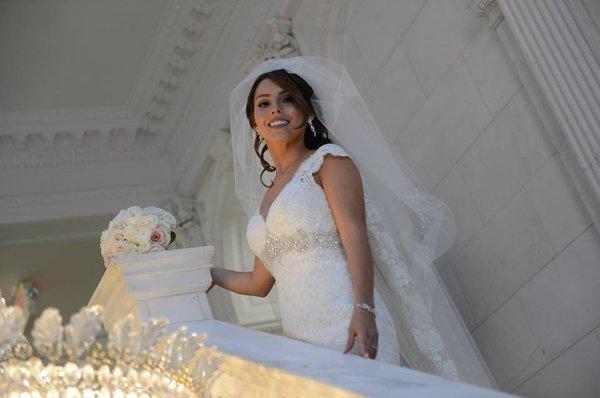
x=349 y=373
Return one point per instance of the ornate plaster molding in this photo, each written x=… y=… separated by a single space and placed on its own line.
x=67 y=150
x=178 y=53
x=184 y=49
x=17 y=121
x=486 y=8
x=481 y=8
x=71 y=137
x=162 y=189
x=51 y=125
x=278 y=42
x=63 y=138
x=187 y=40
x=187 y=37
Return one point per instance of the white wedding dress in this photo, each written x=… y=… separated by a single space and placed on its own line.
x=299 y=244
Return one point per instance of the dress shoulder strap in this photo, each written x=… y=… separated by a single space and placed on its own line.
x=316 y=159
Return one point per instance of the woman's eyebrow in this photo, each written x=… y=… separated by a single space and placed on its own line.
x=268 y=95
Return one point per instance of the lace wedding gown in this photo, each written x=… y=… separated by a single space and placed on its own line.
x=299 y=244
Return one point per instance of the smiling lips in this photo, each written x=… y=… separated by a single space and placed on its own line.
x=279 y=123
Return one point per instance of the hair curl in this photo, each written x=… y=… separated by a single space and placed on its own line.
x=302 y=93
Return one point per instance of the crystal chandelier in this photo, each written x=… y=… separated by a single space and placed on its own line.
x=138 y=360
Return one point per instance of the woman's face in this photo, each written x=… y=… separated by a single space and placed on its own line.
x=277 y=115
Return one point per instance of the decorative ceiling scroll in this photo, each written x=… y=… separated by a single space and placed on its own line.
x=184 y=49
x=279 y=42
x=486 y=8
x=481 y=8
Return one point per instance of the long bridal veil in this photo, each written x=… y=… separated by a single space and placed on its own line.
x=408 y=228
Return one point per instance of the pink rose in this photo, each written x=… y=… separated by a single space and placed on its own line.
x=159 y=237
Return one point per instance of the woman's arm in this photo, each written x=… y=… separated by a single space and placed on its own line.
x=342 y=184
x=256 y=283
x=343 y=188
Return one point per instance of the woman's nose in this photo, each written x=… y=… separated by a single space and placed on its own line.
x=276 y=108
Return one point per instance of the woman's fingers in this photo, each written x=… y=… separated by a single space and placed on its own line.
x=349 y=342
x=373 y=350
x=368 y=346
x=364 y=346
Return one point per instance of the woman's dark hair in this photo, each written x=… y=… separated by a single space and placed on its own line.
x=302 y=92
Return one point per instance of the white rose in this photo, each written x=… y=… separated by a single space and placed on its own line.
x=156 y=248
x=149 y=221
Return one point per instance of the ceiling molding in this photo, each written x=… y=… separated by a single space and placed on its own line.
x=95 y=136
x=107 y=193
x=68 y=154
x=92 y=144
x=16 y=128
x=38 y=140
x=22 y=120
x=152 y=67
x=179 y=101
x=59 y=205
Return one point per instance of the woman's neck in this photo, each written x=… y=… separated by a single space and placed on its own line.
x=286 y=154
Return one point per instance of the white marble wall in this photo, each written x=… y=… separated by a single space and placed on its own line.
x=525 y=270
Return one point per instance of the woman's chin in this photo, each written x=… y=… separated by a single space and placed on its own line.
x=282 y=135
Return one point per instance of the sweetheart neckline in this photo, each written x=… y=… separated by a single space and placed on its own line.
x=264 y=219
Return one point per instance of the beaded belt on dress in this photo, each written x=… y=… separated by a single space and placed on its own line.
x=276 y=246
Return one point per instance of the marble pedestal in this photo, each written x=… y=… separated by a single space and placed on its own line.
x=167 y=284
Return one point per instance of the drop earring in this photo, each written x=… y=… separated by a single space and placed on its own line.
x=313 y=129
x=312 y=126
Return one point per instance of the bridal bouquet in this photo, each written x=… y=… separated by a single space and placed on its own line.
x=137 y=230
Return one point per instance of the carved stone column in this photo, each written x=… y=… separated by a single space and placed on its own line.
x=558 y=51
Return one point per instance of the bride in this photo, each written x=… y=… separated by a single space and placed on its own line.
x=341 y=227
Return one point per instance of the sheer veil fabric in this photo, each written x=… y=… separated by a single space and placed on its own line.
x=408 y=228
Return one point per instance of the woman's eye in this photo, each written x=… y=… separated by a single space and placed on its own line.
x=263 y=104
x=288 y=99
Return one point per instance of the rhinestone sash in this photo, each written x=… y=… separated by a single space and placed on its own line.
x=276 y=246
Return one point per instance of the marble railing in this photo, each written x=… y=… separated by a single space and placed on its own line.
x=256 y=364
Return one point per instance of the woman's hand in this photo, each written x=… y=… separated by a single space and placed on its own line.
x=363 y=327
x=213 y=272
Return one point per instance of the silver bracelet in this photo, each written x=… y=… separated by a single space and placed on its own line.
x=367 y=307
